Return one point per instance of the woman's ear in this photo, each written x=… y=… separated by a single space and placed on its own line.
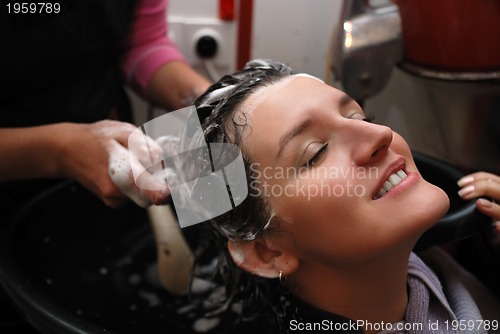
x=262 y=257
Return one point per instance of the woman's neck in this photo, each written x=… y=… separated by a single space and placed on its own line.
x=374 y=292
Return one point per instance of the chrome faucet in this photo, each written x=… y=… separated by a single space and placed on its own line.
x=366 y=46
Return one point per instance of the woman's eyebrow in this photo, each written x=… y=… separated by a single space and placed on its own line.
x=295 y=131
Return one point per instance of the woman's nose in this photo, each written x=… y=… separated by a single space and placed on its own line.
x=371 y=142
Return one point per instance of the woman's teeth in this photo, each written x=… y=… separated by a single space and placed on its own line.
x=391 y=182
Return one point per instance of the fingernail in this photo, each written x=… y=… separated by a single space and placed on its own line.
x=465 y=180
x=484 y=203
x=466 y=191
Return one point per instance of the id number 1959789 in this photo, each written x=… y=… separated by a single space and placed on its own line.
x=33 y=7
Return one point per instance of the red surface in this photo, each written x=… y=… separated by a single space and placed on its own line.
x=454 y=35
x=245 y=18
x=226 y=10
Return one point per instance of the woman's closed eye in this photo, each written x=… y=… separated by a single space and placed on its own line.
x=317 y=156
x=321 y=149
x=361 y=116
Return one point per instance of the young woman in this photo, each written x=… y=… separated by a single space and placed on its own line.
x=335 y=206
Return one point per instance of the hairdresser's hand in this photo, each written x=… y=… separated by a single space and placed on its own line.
x=96 y=156
x=482 y=184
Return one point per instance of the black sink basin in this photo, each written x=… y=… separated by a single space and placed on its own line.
x=463 y=219
x=72 y=265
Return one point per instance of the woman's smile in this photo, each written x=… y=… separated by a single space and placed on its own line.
x=395 y=180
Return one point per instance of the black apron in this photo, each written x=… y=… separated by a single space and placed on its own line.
x=60 y=68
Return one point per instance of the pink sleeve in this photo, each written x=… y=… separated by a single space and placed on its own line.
x=147 y=46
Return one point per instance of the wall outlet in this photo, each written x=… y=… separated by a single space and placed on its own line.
x=186 y=32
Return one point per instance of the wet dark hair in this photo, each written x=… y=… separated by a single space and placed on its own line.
x=221 y=123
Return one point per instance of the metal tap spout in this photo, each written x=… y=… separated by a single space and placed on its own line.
x=365 y=48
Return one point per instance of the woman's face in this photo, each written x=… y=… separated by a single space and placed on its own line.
x=322 y=169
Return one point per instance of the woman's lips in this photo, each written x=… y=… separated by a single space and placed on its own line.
x=395 y=179
x=396 y=183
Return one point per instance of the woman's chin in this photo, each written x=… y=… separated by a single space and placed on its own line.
x=427 y=209
x=437 y=204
